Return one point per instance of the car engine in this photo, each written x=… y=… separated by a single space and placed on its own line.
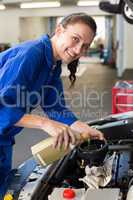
x=92 y=170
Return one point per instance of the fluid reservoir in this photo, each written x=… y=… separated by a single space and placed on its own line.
x=66 y=194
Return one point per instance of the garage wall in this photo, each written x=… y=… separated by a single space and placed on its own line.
x=128 y=44
x=32 y=27
x=9 y=28
x=10 y=18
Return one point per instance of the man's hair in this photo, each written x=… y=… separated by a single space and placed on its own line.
x=79 y=17
x=70 y=20
x=72 y=67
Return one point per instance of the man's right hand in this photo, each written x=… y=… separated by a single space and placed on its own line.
x=63 y=134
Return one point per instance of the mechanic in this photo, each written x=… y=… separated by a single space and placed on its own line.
x=33 y=68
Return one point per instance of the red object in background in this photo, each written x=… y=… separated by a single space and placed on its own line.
x=122 y=97
x=69 y=193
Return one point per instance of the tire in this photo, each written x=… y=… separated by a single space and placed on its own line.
x=127 y=12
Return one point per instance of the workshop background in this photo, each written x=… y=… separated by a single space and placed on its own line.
x=91 y=98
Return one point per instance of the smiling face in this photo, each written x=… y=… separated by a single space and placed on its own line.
x=72 y=42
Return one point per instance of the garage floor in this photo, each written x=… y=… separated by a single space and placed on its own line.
x=90 y=100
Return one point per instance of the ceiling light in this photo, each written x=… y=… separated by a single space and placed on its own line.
x=40 y=4
x=88 y=3
x=2 y=7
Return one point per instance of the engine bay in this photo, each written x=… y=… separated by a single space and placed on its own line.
x=92 y=170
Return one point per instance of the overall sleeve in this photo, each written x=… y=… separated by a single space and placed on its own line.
x=54 y=104
x=13 y=81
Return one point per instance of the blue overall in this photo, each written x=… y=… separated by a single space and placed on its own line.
x=28 y=69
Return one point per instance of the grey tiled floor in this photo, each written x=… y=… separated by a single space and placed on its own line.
x=90 y=99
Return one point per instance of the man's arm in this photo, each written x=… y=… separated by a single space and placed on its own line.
x=15 y=82
x=61 y=132
x=31 y=121
x=54 y=105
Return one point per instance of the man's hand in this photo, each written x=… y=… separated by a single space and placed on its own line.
x=82 y=127
x=95 y=134
x=63 y=134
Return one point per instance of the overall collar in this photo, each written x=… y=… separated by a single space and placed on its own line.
x=48 y=50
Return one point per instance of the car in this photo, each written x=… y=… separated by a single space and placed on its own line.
x=64 y=178
x=124 y=7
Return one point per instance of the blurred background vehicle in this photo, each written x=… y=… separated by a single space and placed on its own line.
x=124 y=7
